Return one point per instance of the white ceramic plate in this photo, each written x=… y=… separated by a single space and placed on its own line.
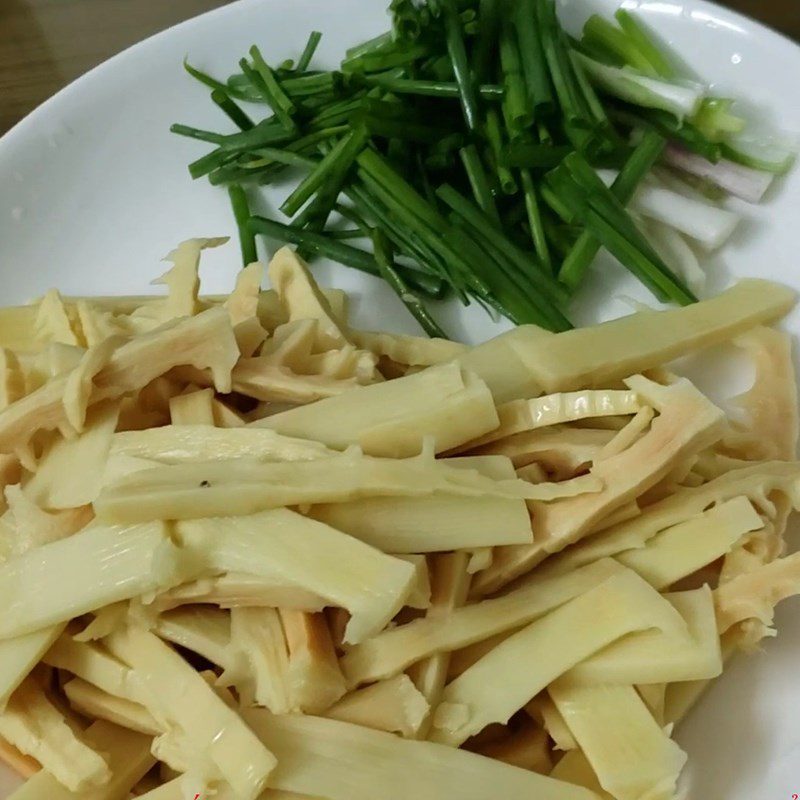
x=95 y=191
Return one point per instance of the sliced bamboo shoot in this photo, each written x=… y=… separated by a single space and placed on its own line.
x=438 y=523
x=56 y=322
x=242 y=303
x=393 y=418
x=302 y=298
x=754 y=595
x=450 y=586
x=92 y=702
x=315 y=679
x=179 y=696
x=683 y=549
x=771 y=403
x=192 y=408
x=698 y=540
x=186 y=444
x=420 y=595
x=631 y=755
x=506 y=679
x=239 y=589
x=756 y=482
x=594 y=356
x=504 y=363
x=394 y=705
x=556 y=409
x=36 y=728
x=628 y=436
x=258 y=636
x=98 y=566
x=661 y=657
x=246 y=486
x=560 y=449
x=680 y=698
x=348 y=573
x=92 y=663
x=413 y=351
x=128 y=756
x=26 y=526
x=396 y=649
x=70 y=472
x=341 y=761
x=201 y=629
x=687 y=424
x=543 y=710
x=261 y=379
x=204 y=341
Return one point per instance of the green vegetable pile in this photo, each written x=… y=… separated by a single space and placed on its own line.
x=462 y=149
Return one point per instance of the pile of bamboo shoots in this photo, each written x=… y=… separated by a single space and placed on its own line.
x=247 y=551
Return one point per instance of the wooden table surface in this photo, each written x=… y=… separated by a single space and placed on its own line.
x=45 y=44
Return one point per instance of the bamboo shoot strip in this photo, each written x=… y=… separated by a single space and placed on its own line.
x=37 y=728
x=321 y=757
x=654 y=656
x=92 y=702
x=192 y=491
x=450 y=584
x=203 y=630
x=393 y=705
x=430 y=524
x=372 y=586
x=393 y=650
x=96 y=567
x=616 y=730
x=664 y=549
x=393 y=418
x=314 y=677
x=594 y=356
x=129 y=759
x=555 y=409
x=20 y=655
x=94 y=664
x=177 y=694
x=239 y=589
x=496 y=686
x=187 y=444
x=205 y=341
x=688 y=423
x=679 y=551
